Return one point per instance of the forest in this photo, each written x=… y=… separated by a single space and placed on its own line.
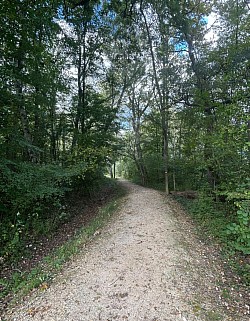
x=157 y=91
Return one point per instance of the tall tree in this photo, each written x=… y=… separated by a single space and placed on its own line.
x=158 y=35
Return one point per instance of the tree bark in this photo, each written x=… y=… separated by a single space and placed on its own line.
x=163 y=106
x=136 y=123
x=22 y=110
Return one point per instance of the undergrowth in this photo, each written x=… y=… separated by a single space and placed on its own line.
x=216 y=220
x=31 y=202
x=21 y=283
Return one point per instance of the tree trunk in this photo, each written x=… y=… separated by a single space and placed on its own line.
x=136 y=123
x=162 y=104
x=79 y=102
x=22 y=111
x=206 y=103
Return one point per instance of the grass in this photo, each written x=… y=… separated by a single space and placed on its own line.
x=211 y=220
x=205 y=314
x=21 y=284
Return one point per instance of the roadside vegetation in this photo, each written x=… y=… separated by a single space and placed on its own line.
x=91 y=216
x=215 y=223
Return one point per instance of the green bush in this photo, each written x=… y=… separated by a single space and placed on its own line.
x=155 y=169
x=240 y=231
x=228 y=222
x=210 y=216
x=31 y=200
x=128 y=170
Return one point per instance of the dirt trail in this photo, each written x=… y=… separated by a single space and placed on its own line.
x=139 y=268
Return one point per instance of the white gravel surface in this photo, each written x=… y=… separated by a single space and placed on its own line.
x=137 y=268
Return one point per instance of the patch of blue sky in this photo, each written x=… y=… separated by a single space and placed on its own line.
x=180 y=46
x=204 y=20
x=61 y=19
x=99 y=18
x=60 y=13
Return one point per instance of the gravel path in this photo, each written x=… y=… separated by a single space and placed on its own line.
x=137 y=268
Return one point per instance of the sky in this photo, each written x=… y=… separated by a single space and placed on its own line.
x=212 y=22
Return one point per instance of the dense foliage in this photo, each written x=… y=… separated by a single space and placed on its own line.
x=193 y=131
x=57 y=125
x=154 y=84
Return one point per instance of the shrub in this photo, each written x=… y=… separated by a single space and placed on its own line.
x=239 y=230
x=31 y=200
